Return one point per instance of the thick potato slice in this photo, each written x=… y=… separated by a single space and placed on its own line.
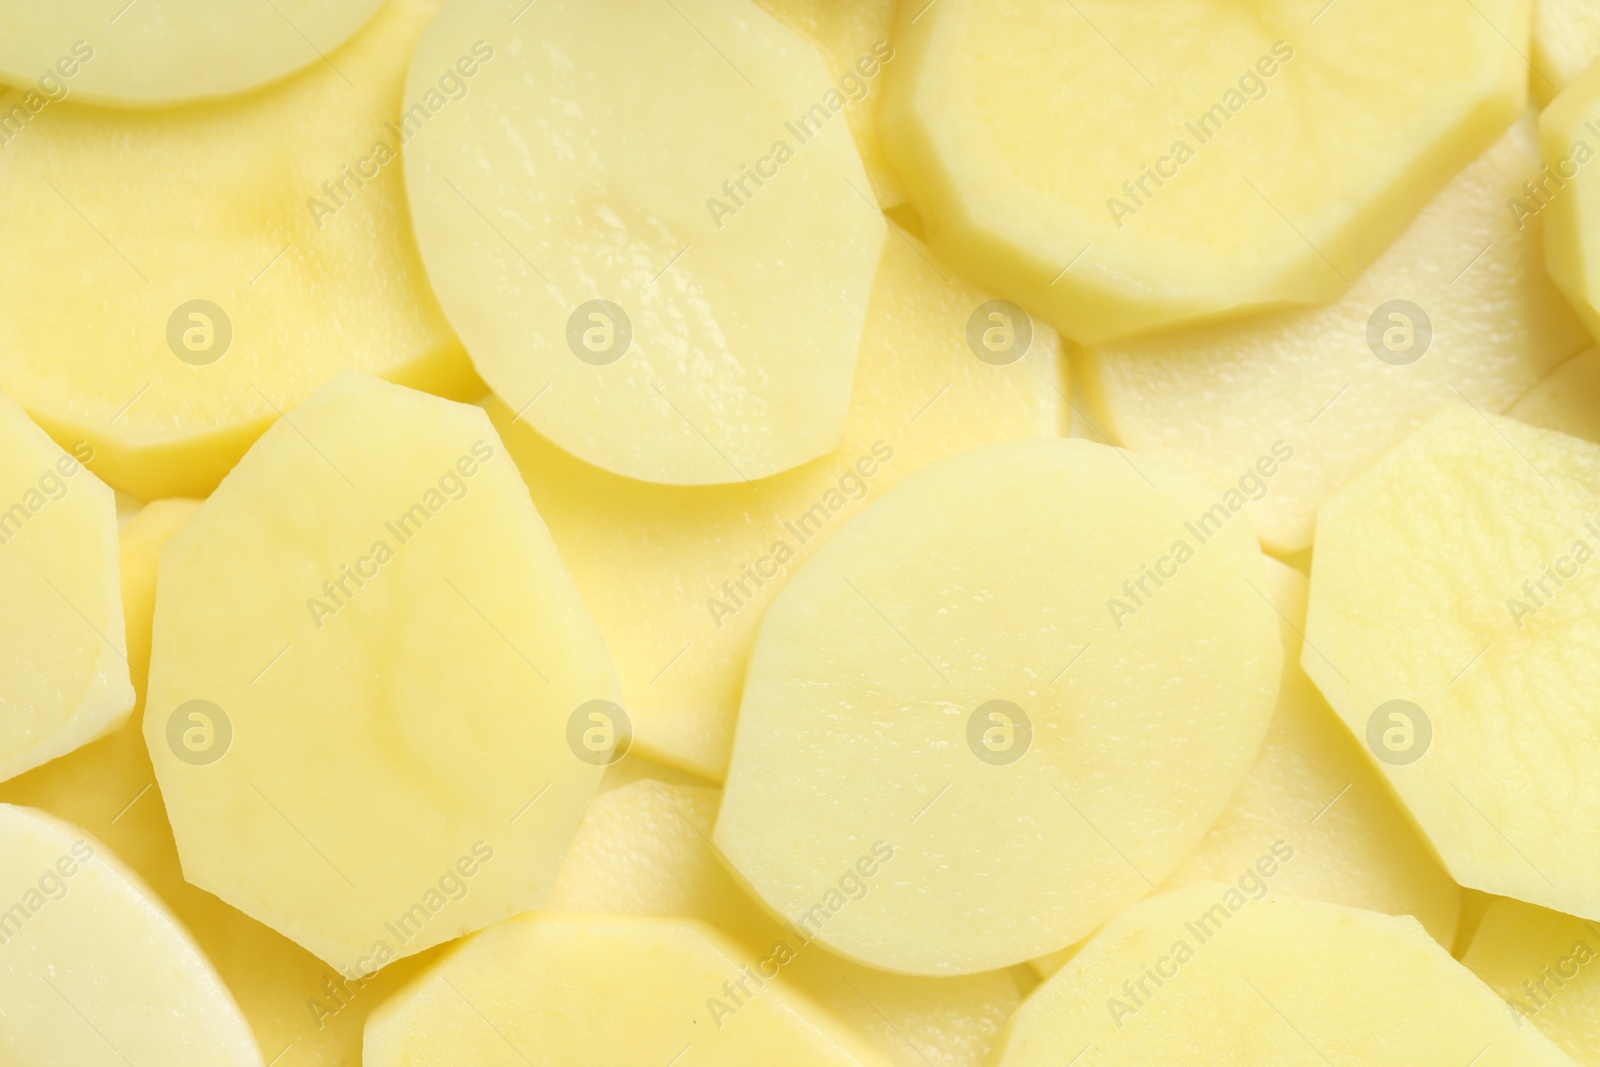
x=1207 y=976
x=1566 y=39
x=1452 y=628
x=1567 y=194
x=1543 y=963
x=1316 y=805
x=1485 y=322
x=64 y=677
x=236 y=261
x=372 y=681
x=596 y=990
x=96 y=969
x=1568 y=399
x=974 y=633
x=1117 y=177
x=677 y=578
x=163 y=52
x=673 y=239
x=645 y=849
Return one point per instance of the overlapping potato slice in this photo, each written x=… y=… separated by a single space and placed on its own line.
x=1066 y=639
x=1568 y=399
x=674 y=238
x=210 y=266
x=678 y=577
x=96 y=969
x=1459 y=305
x=1566 y=38
x=1567 y=194
x=1207 y=976
x=1544 y=964
x=645 y=849
x=372 y=583
x=163 y=52
x=1452 y=627
x=547 y=990
x=64 y=677
x=1117 y=176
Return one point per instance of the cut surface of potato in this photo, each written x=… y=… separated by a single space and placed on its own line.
x=1315 y=804
x=596 y=990
x=1544 y=964
x=1459 y=305
x=1567 y=400
x=1068 y=640
x=1211 y=977
x=64 y=678
x=645 y=849
x=1452 y=627
x=96 y=969
x=663 y=258
x=1131 y=166
x=1566 y=39
x=1567 y=196
x=164 y=52
x=373 y=685
x=244 y=252
x=678 y=577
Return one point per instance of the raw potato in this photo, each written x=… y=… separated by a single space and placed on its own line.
x=1277 y=161
x=303 y=1012
x=63 y=663
x=645 y=849
x=391 y=659
x=1547 y=967
x=678 y=578
x=594 y=991
x=1210 y=976
x=1567 y=400
x=1566 y=39
x=1456 y=575
x=741 y=310
x=1314 y=791
x=1568 y=194
x=1006 y=574
x=165 y=52
x=99 y=340
x=1215 y=399
x=93 y=960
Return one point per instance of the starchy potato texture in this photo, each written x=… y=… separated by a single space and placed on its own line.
x=1567 y=196
x=1566 y=39
x=211 y=266
x=372 y=583
x=1543 y=963
x=1005 y=702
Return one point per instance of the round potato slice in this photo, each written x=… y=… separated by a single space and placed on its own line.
x=154 y=53
x=1117 y=175
x=1001 y=704
x=663 y=255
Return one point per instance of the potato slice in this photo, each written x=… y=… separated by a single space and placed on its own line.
x=65 y=676
x=681 y=258
x=372 y=681
x=1117 y=178
x=1568 y=399
x=1451 y=626
x=1318 y=811
x=164 y=52
x=1568 y=194
x=228 y=286
x=96 y=968
x=1544 y=964
x=1206 y=975
x=1566 y=39
x=581 y=990
x=1324 y=382
x=972 y=634
x=645 y=849
x=677 y=578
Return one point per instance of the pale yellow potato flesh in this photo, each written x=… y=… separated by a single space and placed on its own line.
x=1566 y=39
x=1134 y=166
x=1568 y=399
x=1215 y=399
x=678 y=578
x=547 y=990
x=1207 y=975
x=1007 y=574
x=1567 y=195
x=671 y=169
x=97 y=970
x=223 y=203
x=645 y=849
x=1453 y=576
x=64 y=677
x=372 y=581
x=1544 y=964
